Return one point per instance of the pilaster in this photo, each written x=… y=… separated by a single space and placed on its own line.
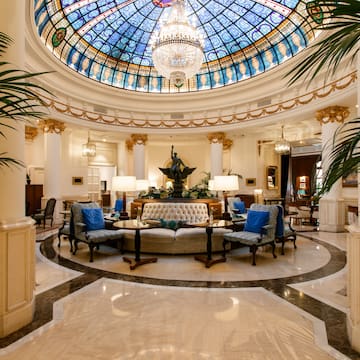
x=331 y=205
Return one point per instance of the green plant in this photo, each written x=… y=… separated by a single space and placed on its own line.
x=341 y=22
x=19 y=99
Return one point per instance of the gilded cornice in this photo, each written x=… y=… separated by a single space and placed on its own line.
x=332 y=114
x=52 y=126
x=200 y=120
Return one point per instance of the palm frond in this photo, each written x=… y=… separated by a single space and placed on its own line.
x=344 y=156
x=8 y=162
x=342 y=22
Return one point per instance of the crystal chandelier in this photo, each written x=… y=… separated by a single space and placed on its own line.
x=177 y=48
x=282 y=146
x=89 y=149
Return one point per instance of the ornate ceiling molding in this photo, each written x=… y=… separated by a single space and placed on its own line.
x=199 y=119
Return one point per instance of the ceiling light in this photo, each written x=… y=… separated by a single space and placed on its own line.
x=282 y=146
x=89 y=149
x=177 y=48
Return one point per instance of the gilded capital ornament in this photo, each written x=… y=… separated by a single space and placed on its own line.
x=217 y=137
x=52 y=126
x=227 y=144
x=332 y=114
x=139 y=139
x=30 y=132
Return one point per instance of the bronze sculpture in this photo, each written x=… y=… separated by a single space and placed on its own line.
x=178 y=172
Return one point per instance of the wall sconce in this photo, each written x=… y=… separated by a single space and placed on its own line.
x=124 y=184
x=89 y=149
x=225 y=184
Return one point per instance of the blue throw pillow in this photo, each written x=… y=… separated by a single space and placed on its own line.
x=240 y=206
x=171 y=224
x=256 y=220
x=93 y=218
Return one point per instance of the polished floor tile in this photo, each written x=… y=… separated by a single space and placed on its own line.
x=292 y=307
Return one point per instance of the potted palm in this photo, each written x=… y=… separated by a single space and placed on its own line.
x=19 y=98
x=341 y=22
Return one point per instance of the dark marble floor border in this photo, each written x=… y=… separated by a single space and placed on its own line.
x=335 y=320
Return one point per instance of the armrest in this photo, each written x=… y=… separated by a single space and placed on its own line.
x=108 y=224
x=80 y=227
x=264 y=230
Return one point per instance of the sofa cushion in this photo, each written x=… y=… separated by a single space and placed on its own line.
x=93 y=218
x=171 y=224
x=256 y=220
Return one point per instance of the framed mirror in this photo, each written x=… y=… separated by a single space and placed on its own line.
x=272 y=182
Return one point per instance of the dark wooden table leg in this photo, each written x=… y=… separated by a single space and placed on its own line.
x=207 y=259
x=134 y=263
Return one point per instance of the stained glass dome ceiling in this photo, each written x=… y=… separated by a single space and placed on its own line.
x=108 y=40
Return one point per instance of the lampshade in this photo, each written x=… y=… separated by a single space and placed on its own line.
x=142 y=184
x=226 y=183
x=282 y=146
x=211 y=185
x=123 y=183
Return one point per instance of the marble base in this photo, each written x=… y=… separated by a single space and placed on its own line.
x=17 y=278
x=331 y=215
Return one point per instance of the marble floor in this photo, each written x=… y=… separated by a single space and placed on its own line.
x=292 y=307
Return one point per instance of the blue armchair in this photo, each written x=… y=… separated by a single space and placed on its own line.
x=87 y=225
x=259 y=230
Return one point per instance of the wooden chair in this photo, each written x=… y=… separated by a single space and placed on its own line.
x=47 y=213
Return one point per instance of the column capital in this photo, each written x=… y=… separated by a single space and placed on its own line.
x=52 y=126
x=136 y=139
x=217 y=137
x=334 y=113
x=30 y=132
x=227 y=144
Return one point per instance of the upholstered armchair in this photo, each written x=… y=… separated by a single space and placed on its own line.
x=87 y=225
x=47 y=213
x=64 y=230
x=259 y=230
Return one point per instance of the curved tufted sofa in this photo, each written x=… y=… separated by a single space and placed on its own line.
x=183 y=240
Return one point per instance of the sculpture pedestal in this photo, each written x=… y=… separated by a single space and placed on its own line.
x=17 y=274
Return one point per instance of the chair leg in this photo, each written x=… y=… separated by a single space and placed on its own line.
x=91 y=248
x=273 y=249
x=282 y=246
x=224 y=248
x=294 y=242
x=71 y=245
x=59 y=242
x=253 y=249
x=75 y=247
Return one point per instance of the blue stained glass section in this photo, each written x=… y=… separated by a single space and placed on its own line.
x=123 y=35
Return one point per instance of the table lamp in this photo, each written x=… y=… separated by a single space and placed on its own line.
x=124 y=184
x=225 y=184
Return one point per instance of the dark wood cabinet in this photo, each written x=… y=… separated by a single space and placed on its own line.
x=33 y=195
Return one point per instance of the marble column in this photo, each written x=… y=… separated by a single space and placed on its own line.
x=216 y=153
x=52 y=171
x=17 y=232
x=353 y=256
x=139 y=142
x=331 y=205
